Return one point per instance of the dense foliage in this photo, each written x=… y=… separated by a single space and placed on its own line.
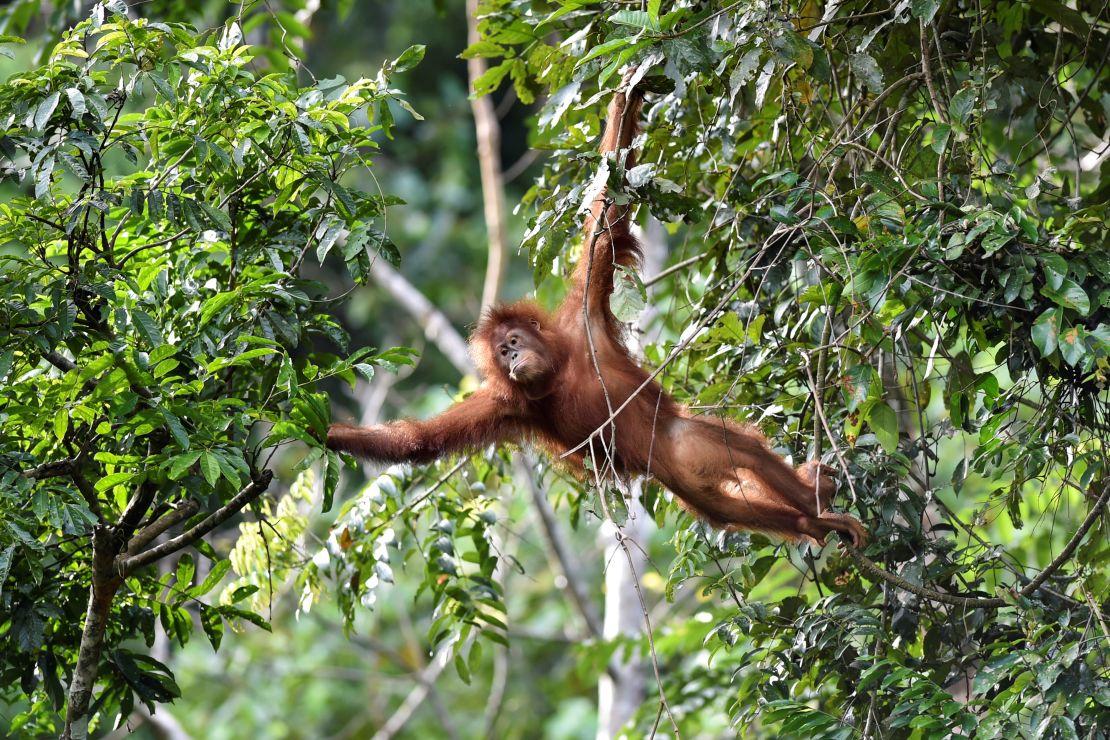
x=159 y=336
x=885 y=227
x=895 y=220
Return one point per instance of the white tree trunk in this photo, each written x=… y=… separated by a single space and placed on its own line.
x=621 y=690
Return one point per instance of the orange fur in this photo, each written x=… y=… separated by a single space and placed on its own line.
x=720 y=470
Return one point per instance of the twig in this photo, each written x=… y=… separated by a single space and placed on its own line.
x=702 y=22
x=1095 y=78
x=926 y=69
x=571 y=568
x=1097 y=613
x=974 y=602
x=426 y=678
x=664 y=274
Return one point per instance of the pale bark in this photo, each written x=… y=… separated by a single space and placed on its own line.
x=425 y=682
x=437 y=327
x=488 y=132
x=621 y=691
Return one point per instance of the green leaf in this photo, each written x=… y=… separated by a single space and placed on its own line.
x=1046 y=331
x=792 y=48
x=175 y=427
x=112 y=480
x=227 y=469
x=940 y=137
x=784 y=215
x=185 y=570
x=43 y=177
x=924 y=9
x=181 y=463
x=74 y=165
x=884 y=423
x=483 y=49
x=97 y=366
x=147 y=328
x=76 y=103
x=462 y=669
x=856 y=385
x=409 y=58
x=163 y=87
x=637 y=19
x=255 y=619
x=215 y=304
x=217 y=216
x=61 y=423
x=45 y=109
x=688 y=53
x=287 y=376
x=1072 y=345
x=327 y=241
x=1055 y=270
x=607 y=47
x=867 y=69
x=331 y=479
x=5 y=565
x=213 y=623
x=1069 y=295
x=244 y=358
x=491 y=79
x=210 y=467
x=962 y=103
x=6 y=360
x=215 y=575
x=1065 y=16
x=744 y=70
x=629 y=298
x=242 y=592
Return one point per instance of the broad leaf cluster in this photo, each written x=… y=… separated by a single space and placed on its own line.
x=163 y=196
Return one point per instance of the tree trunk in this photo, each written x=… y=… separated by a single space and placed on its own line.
x=488 y=132
x=620 y=691
x=105 y=582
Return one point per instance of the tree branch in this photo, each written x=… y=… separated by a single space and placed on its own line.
x=147 y=534
x=437 y=327
x=50 y=469
x=488 y=132
x=974 y=602
x=126 y=565
x=571 y=568
x=136 y=509
x=61 y=362
x=68 y=466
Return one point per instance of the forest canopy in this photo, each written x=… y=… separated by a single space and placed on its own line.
x=875 y=231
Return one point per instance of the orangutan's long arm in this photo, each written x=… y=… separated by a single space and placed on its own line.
x=468 y=425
